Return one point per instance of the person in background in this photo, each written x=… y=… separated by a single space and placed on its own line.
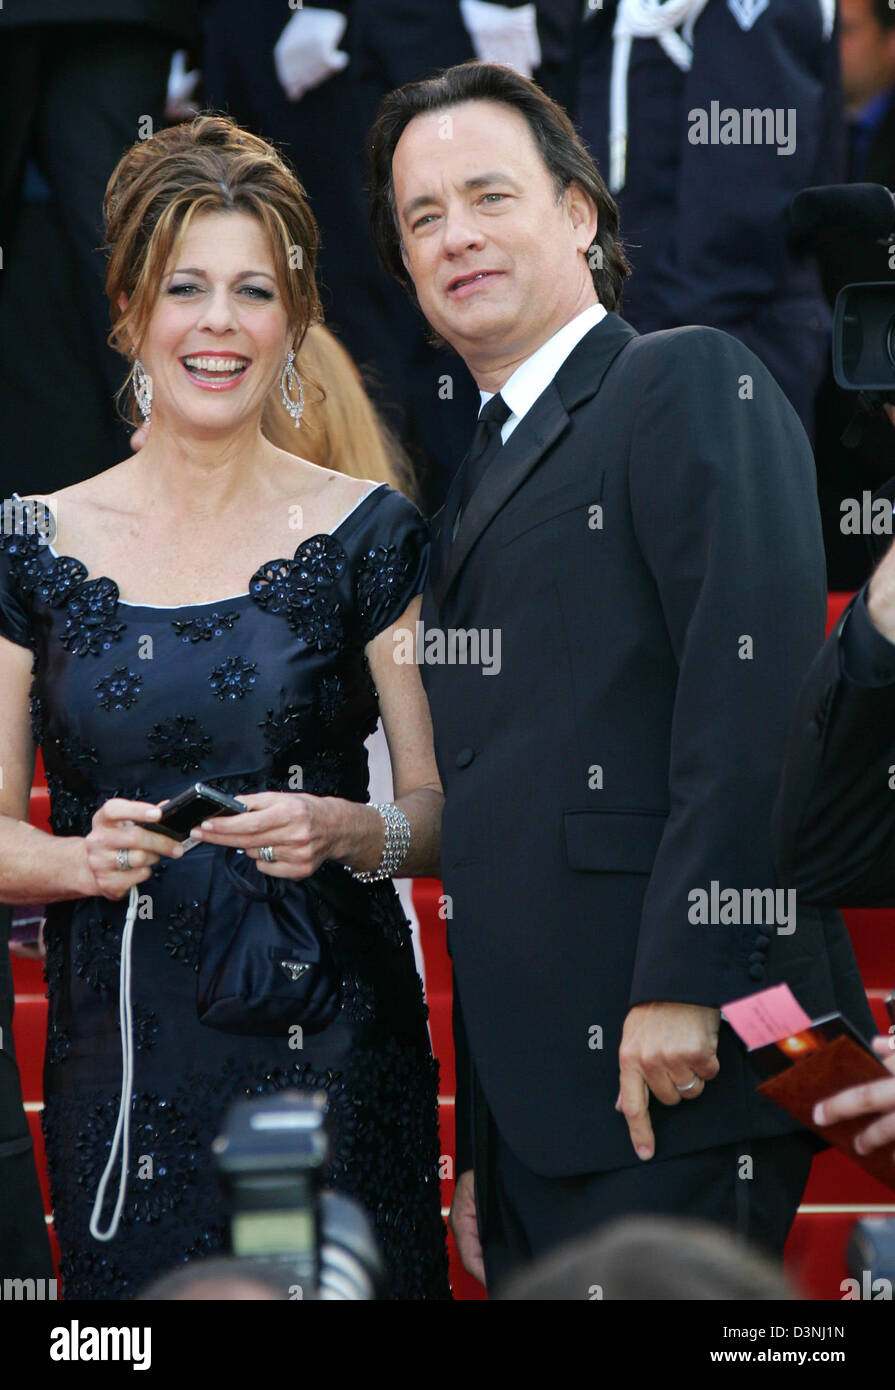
x=705 y=212
x=659 y=1258
x=867 y=52
x=341 y=428
x=80 y=81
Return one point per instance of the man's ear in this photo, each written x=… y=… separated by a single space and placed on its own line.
x=582 y=211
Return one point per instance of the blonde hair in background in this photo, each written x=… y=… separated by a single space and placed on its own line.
x=340 y=428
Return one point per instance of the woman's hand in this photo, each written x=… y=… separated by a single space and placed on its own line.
x=302 y=830
x=114 y=828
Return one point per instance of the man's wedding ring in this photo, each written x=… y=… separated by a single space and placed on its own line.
x=689 y=1086
x=266 y=853
x=123 y=858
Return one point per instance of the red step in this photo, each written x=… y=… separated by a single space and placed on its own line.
x=29 y=1026
x=872 y=932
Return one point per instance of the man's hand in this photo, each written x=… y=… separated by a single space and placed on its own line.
x=872 y=1098
x=664 y=1047
x=464 y=1225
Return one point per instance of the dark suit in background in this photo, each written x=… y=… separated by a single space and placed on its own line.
x=706 y=225
x=76 y=80
x=621 y=650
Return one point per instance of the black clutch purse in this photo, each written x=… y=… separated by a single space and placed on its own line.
x=264 y=960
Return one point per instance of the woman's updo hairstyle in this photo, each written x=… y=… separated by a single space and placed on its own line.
x=208 y=164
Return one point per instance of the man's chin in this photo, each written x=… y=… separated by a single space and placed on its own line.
x=474 y=331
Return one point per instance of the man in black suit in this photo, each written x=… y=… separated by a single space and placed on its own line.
x=626 y=587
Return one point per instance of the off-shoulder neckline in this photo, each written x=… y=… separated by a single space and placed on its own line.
x=227 y=598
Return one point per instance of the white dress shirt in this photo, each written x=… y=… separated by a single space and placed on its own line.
x=534 y=375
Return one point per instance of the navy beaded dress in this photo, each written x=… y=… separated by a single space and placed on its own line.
x=131 y=700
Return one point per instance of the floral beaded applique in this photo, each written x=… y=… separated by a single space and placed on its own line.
x=296 y=589
x=179 y=742
x=90 y=626
x=284 y=729
x=70 y=814
x=184 y=932
x=119 y=689
x=61 y=581
x=381 y=578
x=205 y=628
x=233 y=678
x=97 y=955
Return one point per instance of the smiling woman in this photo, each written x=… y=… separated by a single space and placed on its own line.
x=188 y=172
x=217 y=608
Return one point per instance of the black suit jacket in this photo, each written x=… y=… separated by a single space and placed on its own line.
x=642 y=530
x=834 y=821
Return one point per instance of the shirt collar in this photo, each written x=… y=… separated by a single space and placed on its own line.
x=534 y=375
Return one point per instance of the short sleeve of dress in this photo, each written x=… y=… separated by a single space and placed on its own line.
x=394 y=561
x=16 y=559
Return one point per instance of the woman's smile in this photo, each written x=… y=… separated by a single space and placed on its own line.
x=215 y=371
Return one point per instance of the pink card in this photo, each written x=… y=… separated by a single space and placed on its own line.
x=767 y=1016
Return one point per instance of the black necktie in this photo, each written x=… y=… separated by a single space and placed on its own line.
x=486 y=443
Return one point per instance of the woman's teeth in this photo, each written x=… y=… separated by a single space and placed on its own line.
x=217 y=368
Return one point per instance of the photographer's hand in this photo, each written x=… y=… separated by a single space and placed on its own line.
x=872 y=1098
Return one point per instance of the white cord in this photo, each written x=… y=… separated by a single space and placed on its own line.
x=643 y=19
x=123 y=1125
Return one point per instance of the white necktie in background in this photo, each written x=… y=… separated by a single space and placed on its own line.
x=307 y=52
x=501 y=35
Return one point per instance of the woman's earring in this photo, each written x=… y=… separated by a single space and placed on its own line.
x=289 y=376
x=143 y=390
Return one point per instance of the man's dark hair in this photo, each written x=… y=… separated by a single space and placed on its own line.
x=561 y=148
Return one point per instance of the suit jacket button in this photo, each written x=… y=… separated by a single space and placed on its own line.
x=465 y=757
x=814 y=729
x=757 y=958
x=756 y=972
x=762 y=942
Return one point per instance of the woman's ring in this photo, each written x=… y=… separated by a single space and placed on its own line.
x=266 y=853
x=689 y=1086
x=123 y=858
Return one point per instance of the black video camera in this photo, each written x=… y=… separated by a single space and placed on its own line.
x=864 y=315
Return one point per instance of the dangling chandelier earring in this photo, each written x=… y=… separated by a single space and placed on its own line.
x=289 y=376
x=143 y=390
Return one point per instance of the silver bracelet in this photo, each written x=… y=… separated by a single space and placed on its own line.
x=397 y=844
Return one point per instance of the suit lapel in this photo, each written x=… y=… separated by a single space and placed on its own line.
x=579 y=377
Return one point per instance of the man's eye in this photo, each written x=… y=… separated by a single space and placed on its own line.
x=421 y=221
x=493 y=195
